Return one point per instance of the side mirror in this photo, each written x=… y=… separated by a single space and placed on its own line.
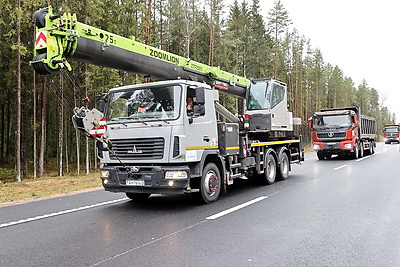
x=310 y=123
x=200 y=95
x=102 y=101
x=199 y=107
x=355 y=121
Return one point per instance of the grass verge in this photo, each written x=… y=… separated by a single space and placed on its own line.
x=31 y=189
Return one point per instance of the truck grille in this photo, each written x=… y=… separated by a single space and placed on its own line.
x=331 y=135
x=138 y=148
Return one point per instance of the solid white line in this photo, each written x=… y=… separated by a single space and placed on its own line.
x=363 y=158
x=40 y=217
x=225 y=212
x=340 y=167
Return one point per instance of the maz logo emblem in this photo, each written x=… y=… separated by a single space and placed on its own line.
x=331 y=134
x=134 y=151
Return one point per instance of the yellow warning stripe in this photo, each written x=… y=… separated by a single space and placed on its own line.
x=275 y=143
x=200 y=147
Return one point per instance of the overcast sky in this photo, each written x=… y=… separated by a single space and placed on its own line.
x=362 y=37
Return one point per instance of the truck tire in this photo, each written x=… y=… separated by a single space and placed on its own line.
x=361 y=151
x=354 y=155
x=270 y=169
x=210 y=184
x=320 y=155
x=138 y=197
x=372 y=148
x=284 y=164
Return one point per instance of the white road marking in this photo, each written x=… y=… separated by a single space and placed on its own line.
x=215 y=216
x=340 y=167
x=40 y=217
x=363 y=158
x=225 y=212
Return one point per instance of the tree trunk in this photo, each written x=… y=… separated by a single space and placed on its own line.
x=78 y=171
x=60 y=129
x=3 y=119
x=44 y=127
x=8 y=142
x=77 y=139
x=25 y=133
x=212 y=37
x=147 y=39
x=66 y=150
x=18 y=122
x=87 y=139
x=34 y=128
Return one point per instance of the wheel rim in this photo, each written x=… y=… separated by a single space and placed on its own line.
x=271 y=170
x=211 y=183
x=285 y=165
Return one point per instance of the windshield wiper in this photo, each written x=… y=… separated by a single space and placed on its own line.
x=119 y=120
x=164 y=120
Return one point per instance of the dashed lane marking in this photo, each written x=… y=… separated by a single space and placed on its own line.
x=340 y=167
x=40 y=217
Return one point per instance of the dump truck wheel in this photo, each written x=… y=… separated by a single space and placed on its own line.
x=320 y=155
x=361 y=152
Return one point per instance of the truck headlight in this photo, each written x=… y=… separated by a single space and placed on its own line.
x=316 y=147
x=348 y=146
x=175 y=175
x=104 y=174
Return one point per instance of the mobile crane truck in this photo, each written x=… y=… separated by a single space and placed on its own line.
x=342 y=131
x=148 y=142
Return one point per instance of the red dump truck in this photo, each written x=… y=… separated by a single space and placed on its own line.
x=391 y=133
x=342 y=132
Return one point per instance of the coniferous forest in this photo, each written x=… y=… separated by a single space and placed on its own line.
x=35 y=111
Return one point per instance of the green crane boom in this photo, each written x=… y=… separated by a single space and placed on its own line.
x=59 y=38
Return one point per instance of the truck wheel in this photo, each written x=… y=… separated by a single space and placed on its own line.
x=138 y=196
x=270 y=169
x=284 y=165
x=210 y=184
x=372 y=148
x=354 y=154
x=320 y=155
x=361 y=152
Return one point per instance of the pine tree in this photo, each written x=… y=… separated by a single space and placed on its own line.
x=278 y=22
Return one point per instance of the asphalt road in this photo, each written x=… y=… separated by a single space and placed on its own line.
x=328 y=213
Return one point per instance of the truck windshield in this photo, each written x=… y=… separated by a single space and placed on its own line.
x=336 y=120
x=391 y=130
x=259 y=97
x=144 y=104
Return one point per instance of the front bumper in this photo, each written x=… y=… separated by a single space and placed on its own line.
x=334 y=148
x=150 y=178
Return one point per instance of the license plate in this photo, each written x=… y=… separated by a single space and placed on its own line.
x=135 y=182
